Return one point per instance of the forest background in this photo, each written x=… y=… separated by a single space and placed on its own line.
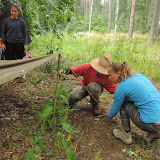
x=82 y=30
x=51 y=23
x=103 y=16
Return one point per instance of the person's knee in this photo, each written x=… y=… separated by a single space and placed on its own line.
x=94 y=87
x=73 y=98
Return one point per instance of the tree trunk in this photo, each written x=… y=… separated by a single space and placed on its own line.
x=109 y=18
x=116 y=21
x=37 y=14
x=86 y=5
x=149 y=15
x=90 y=17
x=83 y=6
x=131 y=26
x=105 y=7
x=155 y=22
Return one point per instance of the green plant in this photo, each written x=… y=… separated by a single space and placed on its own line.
x=31 y=151
x=66 y=127
x=35 y=79
x=29 y=88
x=45 y=118
x=97 y=155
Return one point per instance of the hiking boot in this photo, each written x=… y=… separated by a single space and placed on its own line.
x=151 y=136
x=97 y=110
x=122 y=135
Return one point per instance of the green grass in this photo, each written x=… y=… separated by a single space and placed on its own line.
x=143 y=56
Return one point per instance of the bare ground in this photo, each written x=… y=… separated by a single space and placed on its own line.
x=20 y=104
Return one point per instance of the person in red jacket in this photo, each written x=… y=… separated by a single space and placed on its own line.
x=95 y=79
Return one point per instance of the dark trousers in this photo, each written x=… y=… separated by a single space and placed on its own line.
x=14 y=51
x=80 y=92
x=130 y=111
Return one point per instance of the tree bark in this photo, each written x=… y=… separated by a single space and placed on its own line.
x=154 y=30
x=131 y=26
x=109 y=18
x=149 y=15
x=90 y=17
x=116 y=21
x=86 y=6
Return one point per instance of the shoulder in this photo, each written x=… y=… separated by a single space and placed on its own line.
x=6 y=20
x=21 y=20
x=138 y=77
x=86 y=65
x=83 y=67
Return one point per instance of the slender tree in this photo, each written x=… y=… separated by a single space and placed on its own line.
x=86 y=5
x=116 y=20
x=90 y=17
x=154 y=30
x=131 y=26
x=149 y=14
x=109 y=18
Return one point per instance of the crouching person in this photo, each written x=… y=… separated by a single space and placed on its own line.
x=137 y=99
x=95 y=79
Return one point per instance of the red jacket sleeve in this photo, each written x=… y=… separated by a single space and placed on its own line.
x=80 y=70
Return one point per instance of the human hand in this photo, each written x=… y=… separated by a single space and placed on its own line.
x=25 y=48
x=60 y=72
x=3 y=47
x=113 y=120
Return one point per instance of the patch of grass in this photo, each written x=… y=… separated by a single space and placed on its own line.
x=83 y=47
x=144 y=150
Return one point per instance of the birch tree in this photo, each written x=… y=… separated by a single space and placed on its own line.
x=155 y=22
x=90 y=16
x=109 y=18
x=131 y=26
x=116 y=21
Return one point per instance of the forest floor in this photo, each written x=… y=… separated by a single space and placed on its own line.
x=21 y=103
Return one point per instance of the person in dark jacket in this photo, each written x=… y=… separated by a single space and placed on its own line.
x=14 y=35
x=3 y=14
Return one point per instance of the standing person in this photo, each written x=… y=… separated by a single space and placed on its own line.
x=0 y=35
x=14 y=35
x=95 y=78
x=137 y=99
x=3 y=14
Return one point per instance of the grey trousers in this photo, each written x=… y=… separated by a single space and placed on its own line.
x=130 y=111
x=80 y=92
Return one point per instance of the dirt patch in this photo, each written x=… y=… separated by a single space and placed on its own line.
x=20 y=105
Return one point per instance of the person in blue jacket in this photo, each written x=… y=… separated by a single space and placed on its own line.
x=137 y=99
x=14 y=35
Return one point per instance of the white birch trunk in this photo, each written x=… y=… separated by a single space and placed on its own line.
x=116 y=21
x=109 y=18
x=90 y=17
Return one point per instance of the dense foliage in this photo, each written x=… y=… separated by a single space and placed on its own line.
x=73 y=16
x=100 y=15
x=43 y=14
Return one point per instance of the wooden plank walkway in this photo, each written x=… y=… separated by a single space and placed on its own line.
x=11 y=69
